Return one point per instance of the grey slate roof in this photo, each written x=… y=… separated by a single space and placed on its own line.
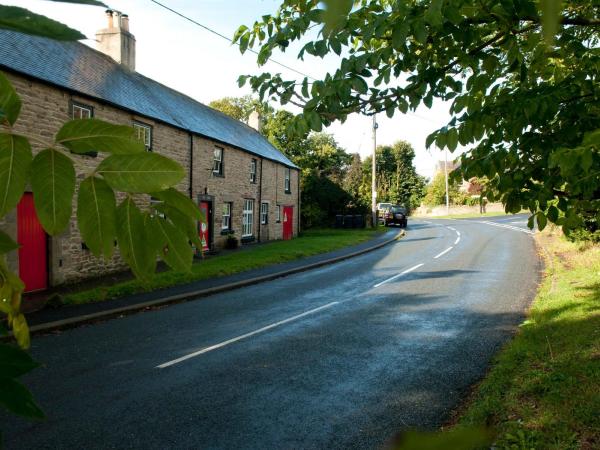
x=79 y=68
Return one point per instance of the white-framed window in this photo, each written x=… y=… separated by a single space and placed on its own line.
x=226 y=222
x=143 y=133
x=81 y=111
x=218 y=161
x=248 y=218
x=288 y=180
x=264 y=213
x=253 y=171
x=278 y=213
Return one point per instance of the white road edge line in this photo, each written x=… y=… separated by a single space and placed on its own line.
x=443 y=253
x=399 y=275
x=244 y=336
x=509 y=227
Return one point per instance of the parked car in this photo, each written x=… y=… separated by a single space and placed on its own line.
x=382 y=208
x=396 y=215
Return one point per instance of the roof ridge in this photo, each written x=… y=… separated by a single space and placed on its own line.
x=80 y=68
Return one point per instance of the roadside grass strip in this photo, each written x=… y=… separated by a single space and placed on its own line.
x=509 y=227
x=245 y=336
x=312 y=242
x=543 y=390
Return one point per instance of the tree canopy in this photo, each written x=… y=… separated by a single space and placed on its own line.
x=522 y=77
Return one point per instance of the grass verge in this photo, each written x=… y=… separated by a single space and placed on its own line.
x=312 y=242
x=543 y=389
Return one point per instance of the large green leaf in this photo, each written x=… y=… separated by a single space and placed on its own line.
x=179 y=201
x=15 y=162
x=6 y=243
x=144 y=172
x=551 y=10
x=25 y=21
x=133 y=241
x=172 y=244
x=15 y=362
x=53 y=185
x=10 y=103
x=17 y=399
x=96 y=215
x=93 y=135
x=83 y=2
x=182 y=222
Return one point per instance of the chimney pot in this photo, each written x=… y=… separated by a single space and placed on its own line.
x=109 y=16
x=116 y=41
x=125 y=22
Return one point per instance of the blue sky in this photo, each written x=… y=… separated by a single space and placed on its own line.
x=205 y=67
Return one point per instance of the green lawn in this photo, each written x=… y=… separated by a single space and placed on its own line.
x=311 y=242
x=543 y=390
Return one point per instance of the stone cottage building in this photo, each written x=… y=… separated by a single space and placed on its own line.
x=245 y=186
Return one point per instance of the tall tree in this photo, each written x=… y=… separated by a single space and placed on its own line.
x=397 y=178
x=240 y=108
x=524 y=85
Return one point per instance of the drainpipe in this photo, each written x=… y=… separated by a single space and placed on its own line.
x=191 y=174
x=299 y=201
x=260 y=202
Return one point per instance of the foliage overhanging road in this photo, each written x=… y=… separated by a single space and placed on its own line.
x=342 y=356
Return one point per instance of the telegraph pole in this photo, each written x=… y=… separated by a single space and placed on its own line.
x=374 y=174
x=446 y=176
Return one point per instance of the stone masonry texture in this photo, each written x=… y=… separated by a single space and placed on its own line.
x=46 y=108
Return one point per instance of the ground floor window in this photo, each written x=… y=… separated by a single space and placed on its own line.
x=264 y=213
x=278 y=213
x=226 y=222
x=248 y=218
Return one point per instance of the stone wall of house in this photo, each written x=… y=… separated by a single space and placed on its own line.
x=46 y=108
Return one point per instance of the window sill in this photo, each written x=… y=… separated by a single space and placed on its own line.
x=288 y=192
x=248 y=239
x=218 y=175
x=227 y=232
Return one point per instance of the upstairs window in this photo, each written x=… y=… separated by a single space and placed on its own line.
x=288 y=180
x=253 y=171
x=143 y=133
x=218 y=162
x=81 y=111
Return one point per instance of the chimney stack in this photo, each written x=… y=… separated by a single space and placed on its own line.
x=116 y=41
x=255 y=121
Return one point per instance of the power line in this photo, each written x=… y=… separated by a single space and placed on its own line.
x=216 y=33
x=222 y=36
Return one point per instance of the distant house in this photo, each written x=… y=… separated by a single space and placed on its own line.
x=450 y=166
x=245 y=186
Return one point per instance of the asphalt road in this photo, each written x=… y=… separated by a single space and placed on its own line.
x=339 y=357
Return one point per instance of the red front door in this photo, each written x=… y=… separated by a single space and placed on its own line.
x=33 y=255
x=205 y=226
x=288 y=222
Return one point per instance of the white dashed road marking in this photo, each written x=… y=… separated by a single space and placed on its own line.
x=443 y=253
x=399 y=275
x=244 y=336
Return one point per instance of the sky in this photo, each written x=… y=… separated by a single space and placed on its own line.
x=197 y=63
